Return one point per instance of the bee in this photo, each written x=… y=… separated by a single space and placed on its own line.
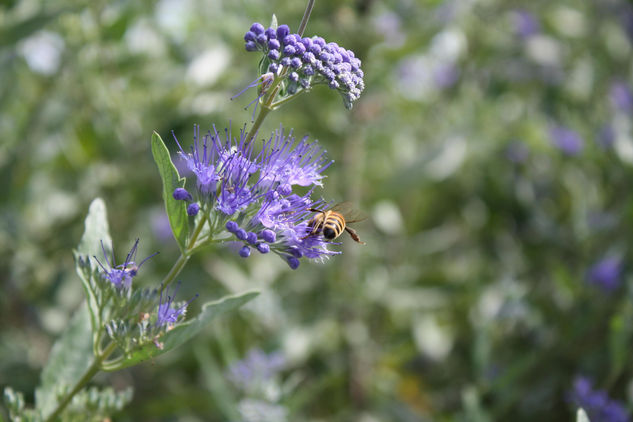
x=332 y=222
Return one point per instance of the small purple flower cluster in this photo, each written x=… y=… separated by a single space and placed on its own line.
x=256 y=368
x=121 y=275
x=567 y=140
x=308 y=61
x=121 y=278
x=168 y=312
x=597 y=404
x=606 y=273
x=251 y=193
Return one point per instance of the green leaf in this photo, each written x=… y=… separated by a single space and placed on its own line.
x=620 y=333
x=70 y=356
x=176 y=210
x=183 y=332
x=581 y=416
x=96 y=231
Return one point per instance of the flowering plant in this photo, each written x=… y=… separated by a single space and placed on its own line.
x=235 y=193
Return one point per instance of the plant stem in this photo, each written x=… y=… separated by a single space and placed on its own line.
x=87 y=376
x=285 y=100
x=306 y=16
x=184 y=256
x=263 y=112
x=267 y=104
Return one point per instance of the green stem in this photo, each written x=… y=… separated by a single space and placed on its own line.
x=267 y=104
x=186 y=254
x=285 y=100
x=306 y=16
x=87 y=376
x=263 y=112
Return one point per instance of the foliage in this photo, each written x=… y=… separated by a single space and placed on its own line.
x=479 y=294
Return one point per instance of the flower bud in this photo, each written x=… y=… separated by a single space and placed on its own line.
x=181 y=194
x=293 y=262
x=251 y=238
x=240 y=233
x=245 y=252
x=257 y=28
x=268 y=235
x=282 y=31
x=193 y=209
x=231 y=226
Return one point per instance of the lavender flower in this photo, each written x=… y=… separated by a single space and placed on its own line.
x=446 y=75
x=168 y=315
x=606 y=273
x=621 y=97
x=121 y=275
x=596 y=403
x=312 y=60
x=256 y=369
x=605 y=136
x=256 y=190
x=568 y=141
x=525 y=24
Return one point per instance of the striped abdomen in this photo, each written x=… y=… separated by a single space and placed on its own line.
x=333 y=225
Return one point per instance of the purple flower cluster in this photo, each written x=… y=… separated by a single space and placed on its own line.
x=307 y=61
x=621 y=96
x=255 y=369
x=597 y=404
x=567 y=140
x=251 y=193
x=168 y=312
x=526 y=24
x=121 y=275
x=606 y=273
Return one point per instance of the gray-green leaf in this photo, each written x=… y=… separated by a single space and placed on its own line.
x=70 y=356
x=96 y=231
x=176 y=210
x=183 y=332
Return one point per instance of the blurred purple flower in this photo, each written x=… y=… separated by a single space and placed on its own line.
x=446 y=11
x=160 y=226
x=445 y=75
x=596 y=403
x=389 y=24
x=525 y=24
x=606 y=273
x=255 y=369
x=517 y=152
x=621 y=96
x=567 y=140
x=605 y=136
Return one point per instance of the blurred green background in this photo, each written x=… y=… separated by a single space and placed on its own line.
x=492 y=150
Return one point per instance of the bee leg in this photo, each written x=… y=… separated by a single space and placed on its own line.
x=314 y=230
x=352 y=233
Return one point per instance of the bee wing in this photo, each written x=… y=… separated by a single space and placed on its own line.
x=348 y=211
